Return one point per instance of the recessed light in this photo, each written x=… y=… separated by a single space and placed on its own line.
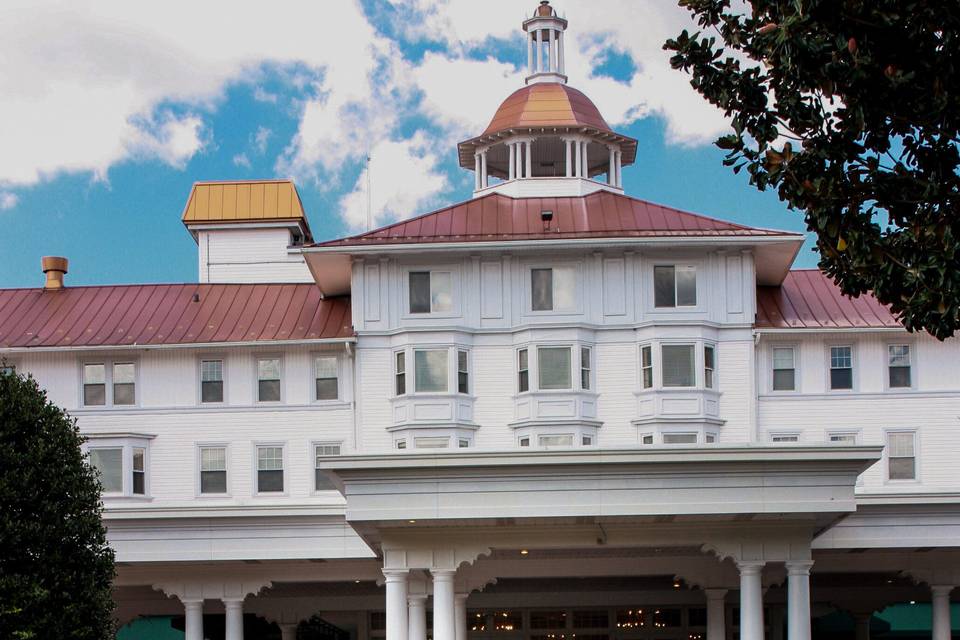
x=412 y=521
x=523 y=552
x=356 y=582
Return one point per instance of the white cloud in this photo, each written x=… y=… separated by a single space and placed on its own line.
x=261 y=138
x=262 y=95
x=404 y=178
x=241 y=160
x=8 y=200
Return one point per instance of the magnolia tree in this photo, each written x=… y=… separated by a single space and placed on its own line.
x=55 y=565
x=850 y=109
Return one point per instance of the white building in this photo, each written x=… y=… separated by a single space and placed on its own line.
x=553 y=410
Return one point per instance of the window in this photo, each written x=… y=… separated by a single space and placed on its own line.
x=843 y=438
x=646 y=438
x=432 y=442
x=784 y=369
x=431 y=291
x=586 y=441
x=94 y=385
x=563 y=440
x=463 y=376
x=109 y=463
x=401 y=444
x=674 y=286
x=553 y=289
x=901 y=456
x=401 y=373
x=211 y=381
x=585 y=368
x=268 y=380
x=646 y=366
x=8 y=369
x=321 y=480
x=463 y=444
x=123 y=383
x=269 y=469
x=524 y=442
x=213 y=469
x=841 y=367
x=430 y=370
x=708 y=366
x=678 y=365
x=554 y=367
x=898 y=366
x=139 y=471
x=523 y=371
x=325 y=368
x=784 y=437
x=679 y=438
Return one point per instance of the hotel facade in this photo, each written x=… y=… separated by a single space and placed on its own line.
x=552 y=411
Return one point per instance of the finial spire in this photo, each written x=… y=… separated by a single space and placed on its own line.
x=545 y=45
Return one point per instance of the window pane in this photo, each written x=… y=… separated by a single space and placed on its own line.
x=211 y=391
x=686 y=286
x=554 y=364
x=327 y=389
x=462 y=374
x=678 y=367
x=431 y=370
x=326 y=367
x=564 y=288
x=783 y=380
x=664 y=291
x=269 y=391
x=213 y=482
x=541 y=288
x=139 y=455
x=647 y=439
x=899 y=355
x=269 y=458
x=211 y=370
x=584 y=368
x=679 y=438
x=900 y=444
x=213 y=459
x=401 y=360
x=326 y=382
x=785 y=438
x=841 y=378
x=902 y=469
x=844 y=438
x=109 y=462
x=268 y=369
x=123 y=373
x=269 y=481
x=899 y=377
x=94 y=394
x=841 y=358
x=123 y=394
x=438 y=442
x=419 y=292
x=139 y=483
x=783 y=358
x=94 y=374
x=441 y=291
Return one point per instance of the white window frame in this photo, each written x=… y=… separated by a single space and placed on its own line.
x=697 y=363
x=406 y=373
x=467 y=371
x=574 y=360
x=340 y=381
x=208 y=358
x=653 y=365
x=313 y=455
x=518 y=370
x=911 y=353
x=715 y=382
x=855 y=433
x=696 y=266
x=916 y=456
x=853 y=367
x=453 y=269
x=576 y=266
x=588 y=367
x=796 y=368
x=126 y=443
x=771 y=435
x=108 y=364
x=413 y=360
x=256 y=379
x=199 y=467
x=286 y=469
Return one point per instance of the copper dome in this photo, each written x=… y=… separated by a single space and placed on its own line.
x=546 y=105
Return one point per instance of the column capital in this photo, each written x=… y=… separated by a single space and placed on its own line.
x=416 y=598
x=190 y=603
x=442 y=574
x=798 y=567
x=396 y=575
x=750 y=567
x=232 y=601
x=941 y=589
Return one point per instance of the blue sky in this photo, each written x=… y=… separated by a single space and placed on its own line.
x=100 y=156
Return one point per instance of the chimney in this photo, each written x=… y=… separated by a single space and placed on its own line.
x=55 y=267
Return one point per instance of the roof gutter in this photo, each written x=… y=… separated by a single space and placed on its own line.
x=185 y=345
x=795 y=330
x=573 y=243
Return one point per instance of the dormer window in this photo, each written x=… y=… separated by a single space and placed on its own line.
x=431 y=291
x=674 y=286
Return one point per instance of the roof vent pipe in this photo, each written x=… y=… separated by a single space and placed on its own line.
x=55 y=268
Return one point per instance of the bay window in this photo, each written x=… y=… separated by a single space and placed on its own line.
x=463 y=374
x=430 y=370
x=709 y=366
x=400 y=373
x=523 y=371
x=430 y=291
x=646 y=366
x=553 y=288
x=108 y=461
x=677 y=364
x=121 y=462
x=553 y=364
x=674 y=286
x=585 y=368
x=436 y=370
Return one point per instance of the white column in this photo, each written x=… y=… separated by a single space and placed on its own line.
x=862 y=625
x=460 y=616
x=539 y=51
x=560 y=65
x=512 y=149
x=585 y=167
x=941 y=611
x=567 y=167
x=612 y=170
x=483 y=170
x=396 y=603
x=577 y=163
x=798 y=600
x=193 y=623
x=551 y=52
x=528 y=159
x=530 y=53
x=234 y=618
x=716 y=610
x=444 y=626
x=288 y=631
x=619 y=166
x=417 y=617
x=751 y=600
x=476 y=171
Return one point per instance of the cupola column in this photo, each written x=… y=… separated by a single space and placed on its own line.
x=529 y=159
x=530 y=54
x=539 y=50
x=578 y=163
x=560 y=65
x=483 y=169
x=552 y=58
x=585 y=167
x=512 y=152
x=612 y=170
x=568 y=166
x=619 y=165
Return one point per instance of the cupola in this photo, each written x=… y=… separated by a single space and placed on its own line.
x=547 y=138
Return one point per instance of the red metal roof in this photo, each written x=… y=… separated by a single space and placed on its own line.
x=165 y=314
x=808 y=299
x=499 y=218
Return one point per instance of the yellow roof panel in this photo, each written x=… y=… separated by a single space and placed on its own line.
x=243 y=201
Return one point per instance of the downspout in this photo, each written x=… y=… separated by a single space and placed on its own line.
x=354 y=391
x=755 y=409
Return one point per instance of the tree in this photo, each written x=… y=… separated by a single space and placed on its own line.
x=850 y=109
x=55 y=565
